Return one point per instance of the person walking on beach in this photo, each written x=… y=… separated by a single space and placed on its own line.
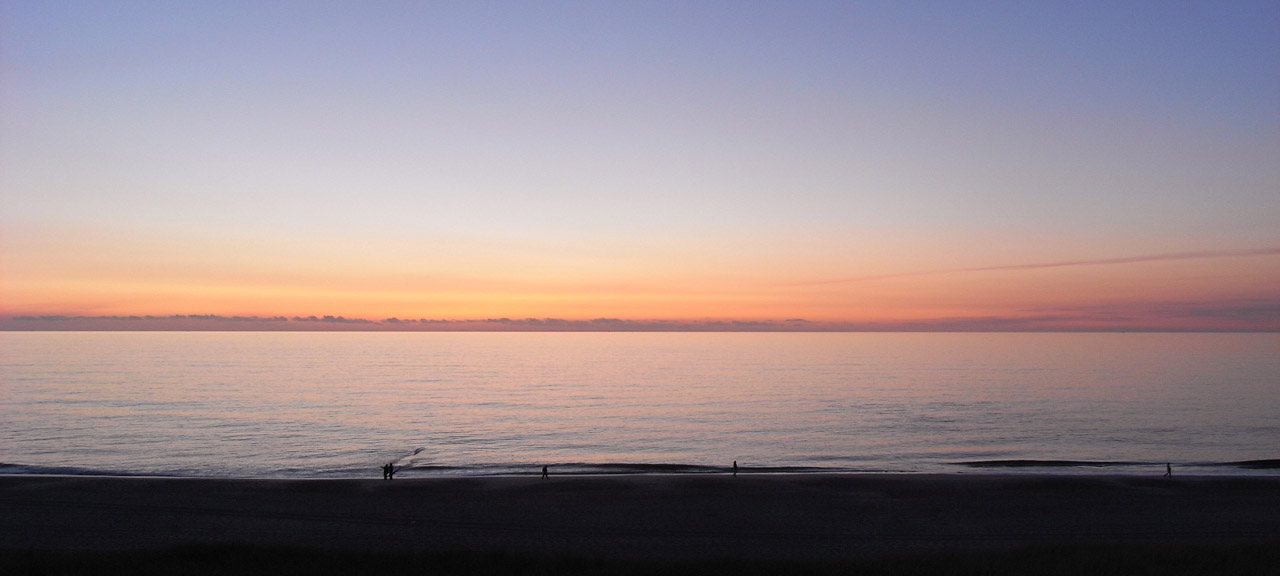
x=735 y=468
x=1168 y=470
x=385 y=474
x=544 y=472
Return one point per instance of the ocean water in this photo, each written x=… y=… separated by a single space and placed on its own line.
x=321 y=405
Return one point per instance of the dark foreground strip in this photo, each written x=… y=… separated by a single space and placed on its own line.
x=1096 y=559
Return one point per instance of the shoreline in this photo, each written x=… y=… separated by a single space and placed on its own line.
x=1245 y=468
x=975 y=472
x=755 y=515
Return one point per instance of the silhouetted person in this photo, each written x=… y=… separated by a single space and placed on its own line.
x=391 y=471
x=385 y=474
x=735 y=468
x=544 y=472
x=1168 y=470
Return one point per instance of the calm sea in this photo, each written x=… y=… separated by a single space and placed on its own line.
x=341 y=404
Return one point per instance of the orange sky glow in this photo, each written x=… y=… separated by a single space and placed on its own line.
x=1215 y=291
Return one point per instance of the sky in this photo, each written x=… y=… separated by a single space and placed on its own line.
x=956 y=165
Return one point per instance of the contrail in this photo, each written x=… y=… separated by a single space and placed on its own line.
x=1202 y=255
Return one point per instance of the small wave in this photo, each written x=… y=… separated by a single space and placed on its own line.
x=676 y=468
x=1243 y=464
x=610 y=468
x=11 y=468
x=1045 y=464
x=1257 y=464
x=640 y=468
x=565 y=468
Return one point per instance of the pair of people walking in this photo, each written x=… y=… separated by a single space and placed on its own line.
x=389 y=471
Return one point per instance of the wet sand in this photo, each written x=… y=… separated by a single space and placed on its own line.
x=648 y=516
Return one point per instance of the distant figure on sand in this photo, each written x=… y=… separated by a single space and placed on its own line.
x=1168 y=470
x=544 y=472
x=735 y=468
x=385 y=472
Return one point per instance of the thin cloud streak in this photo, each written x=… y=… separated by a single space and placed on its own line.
x=1203 y=255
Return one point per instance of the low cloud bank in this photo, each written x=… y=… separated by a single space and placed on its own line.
x=1241 y=315
x=329 y=322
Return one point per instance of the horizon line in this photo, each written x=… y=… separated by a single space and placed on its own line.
x=1250 y=316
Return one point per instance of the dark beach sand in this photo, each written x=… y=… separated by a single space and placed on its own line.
x=809 y=517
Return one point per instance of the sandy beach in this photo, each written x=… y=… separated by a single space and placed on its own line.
x=644 y=516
